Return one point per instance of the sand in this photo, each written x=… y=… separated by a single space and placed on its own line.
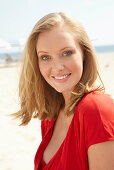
x=106 y=69
x=18 y=145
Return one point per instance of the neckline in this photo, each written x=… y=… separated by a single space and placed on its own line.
x=46 y=164
x=52 y=128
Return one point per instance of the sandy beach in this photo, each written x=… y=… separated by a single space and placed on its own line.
x=19 y=144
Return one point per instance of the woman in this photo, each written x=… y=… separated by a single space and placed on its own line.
x=58 y=85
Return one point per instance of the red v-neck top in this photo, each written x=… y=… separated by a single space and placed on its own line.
x=92 y=123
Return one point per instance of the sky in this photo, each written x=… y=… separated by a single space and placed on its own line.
x=18 y=17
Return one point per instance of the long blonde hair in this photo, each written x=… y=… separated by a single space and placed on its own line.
x=37 y=97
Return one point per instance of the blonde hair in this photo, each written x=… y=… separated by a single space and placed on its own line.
x=37 y=97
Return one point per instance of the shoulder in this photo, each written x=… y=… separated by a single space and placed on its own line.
x=96 y=98
x=96 y=117
x=46 y=125
x=96 y=103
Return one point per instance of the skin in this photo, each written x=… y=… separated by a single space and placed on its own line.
x=60 y=55
x=101 y=156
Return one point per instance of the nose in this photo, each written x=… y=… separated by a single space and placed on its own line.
x=58 y=65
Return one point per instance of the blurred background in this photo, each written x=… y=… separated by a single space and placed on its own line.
x=17 y=18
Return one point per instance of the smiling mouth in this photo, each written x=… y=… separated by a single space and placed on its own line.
x=62 y=77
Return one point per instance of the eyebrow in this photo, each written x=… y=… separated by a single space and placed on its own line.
x=47 y=52
x=41 y=52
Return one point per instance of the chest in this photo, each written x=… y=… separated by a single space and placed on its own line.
x=63 y=146
x=60 y=131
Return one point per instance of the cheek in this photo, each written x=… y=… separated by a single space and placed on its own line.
x=43 y=70
x=76 y=64
x=77 y=67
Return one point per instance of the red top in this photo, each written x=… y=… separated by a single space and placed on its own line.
x=92 y=123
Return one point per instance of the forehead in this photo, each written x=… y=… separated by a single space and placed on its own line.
x=56 y=38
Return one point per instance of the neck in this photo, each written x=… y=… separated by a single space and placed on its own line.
x=67 y=96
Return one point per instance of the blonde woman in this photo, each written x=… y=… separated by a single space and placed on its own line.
x=58 y=86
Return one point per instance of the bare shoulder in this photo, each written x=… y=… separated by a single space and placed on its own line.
x=101 y=156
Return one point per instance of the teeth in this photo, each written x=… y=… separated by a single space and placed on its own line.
x=62 y=77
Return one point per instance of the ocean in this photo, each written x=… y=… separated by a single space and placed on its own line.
x=104 y=48
x=13 y=56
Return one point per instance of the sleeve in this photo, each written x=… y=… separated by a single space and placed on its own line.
x=98 y=119
x=46 y=125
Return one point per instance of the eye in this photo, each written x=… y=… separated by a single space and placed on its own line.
x=67 y=53
x=45 y=57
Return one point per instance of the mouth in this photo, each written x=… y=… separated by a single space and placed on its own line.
x=61 y=77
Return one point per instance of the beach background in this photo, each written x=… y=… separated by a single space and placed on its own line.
x=18 y=144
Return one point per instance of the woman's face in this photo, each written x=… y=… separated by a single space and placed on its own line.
x=60 y=59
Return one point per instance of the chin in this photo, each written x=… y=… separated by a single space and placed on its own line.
x=67 y=90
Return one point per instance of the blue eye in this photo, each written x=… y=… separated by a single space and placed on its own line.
x=45 y=57
x=67 y=53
